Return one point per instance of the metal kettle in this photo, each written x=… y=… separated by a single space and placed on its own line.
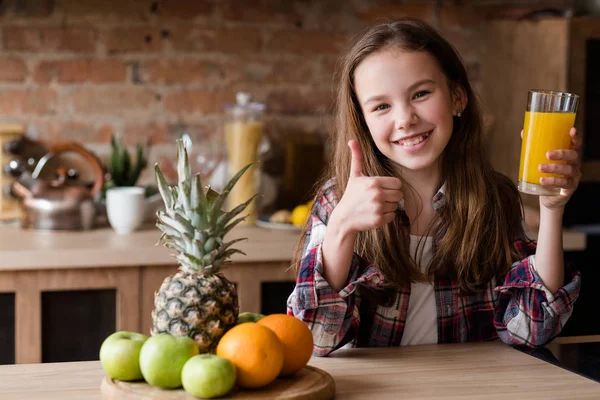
x=61 y=203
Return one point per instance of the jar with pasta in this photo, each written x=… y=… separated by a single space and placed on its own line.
x=243 y=135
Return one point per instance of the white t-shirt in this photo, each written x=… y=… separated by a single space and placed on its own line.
x=421 y=318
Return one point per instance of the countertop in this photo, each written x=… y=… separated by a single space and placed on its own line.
x=490 y=370
x=29 y=249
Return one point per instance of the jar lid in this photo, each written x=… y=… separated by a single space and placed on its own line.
x=244 y=106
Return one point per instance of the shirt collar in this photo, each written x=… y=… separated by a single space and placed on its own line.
x=438 y=200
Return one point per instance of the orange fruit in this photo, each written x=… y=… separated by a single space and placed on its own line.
x=256 y=353
x=296 y=338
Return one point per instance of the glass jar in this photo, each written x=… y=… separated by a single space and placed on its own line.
x=243 y=135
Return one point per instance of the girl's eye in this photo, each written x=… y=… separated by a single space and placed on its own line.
x=420 y=94
x=381 y=107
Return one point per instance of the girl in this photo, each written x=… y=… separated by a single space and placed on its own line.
x=413 y=237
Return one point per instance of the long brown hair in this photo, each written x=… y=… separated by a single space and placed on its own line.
x=481 y=216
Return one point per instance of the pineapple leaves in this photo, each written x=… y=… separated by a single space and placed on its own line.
x=225 y=218
x=216 y=207
x=231 y=252
x=233 y=224
x=164 y=189
x=176 y=222
x=198 y=204
x=193 y=223
x=227 y=245
x=184 y=171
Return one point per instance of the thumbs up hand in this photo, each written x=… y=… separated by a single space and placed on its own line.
x=368 y=202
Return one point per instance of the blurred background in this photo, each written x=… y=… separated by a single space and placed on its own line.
x=150 y=71
x=155 y=70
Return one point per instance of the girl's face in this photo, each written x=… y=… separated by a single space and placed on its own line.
x=407 y=105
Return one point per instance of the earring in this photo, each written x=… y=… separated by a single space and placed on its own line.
x=458 y=114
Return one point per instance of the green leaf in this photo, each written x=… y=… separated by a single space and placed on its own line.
x=227 y=254
x=168 y=229
x=233 y=224
x=163 y=188
x=175 y=246
x=116 y=171
x=125 y=168
x=198 y=204
x=189 y=262
x=227 y=245
x=210 y=245
x=226 y=217
x=216 y=208
x=140 y=164
x=178 y=223
x=184 y=172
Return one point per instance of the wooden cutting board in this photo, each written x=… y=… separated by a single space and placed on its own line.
x=309 y=383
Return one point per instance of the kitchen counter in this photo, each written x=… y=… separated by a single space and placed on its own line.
x=27 y=249
x=490 y=370
x=129 y=270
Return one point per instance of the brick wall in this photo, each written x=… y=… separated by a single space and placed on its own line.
x=73 y=69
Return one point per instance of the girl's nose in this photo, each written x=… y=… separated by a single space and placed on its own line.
x=405 y=118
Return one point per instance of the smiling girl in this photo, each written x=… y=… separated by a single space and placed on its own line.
x=413 y=238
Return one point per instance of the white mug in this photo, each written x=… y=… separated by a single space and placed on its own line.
x=125 y=208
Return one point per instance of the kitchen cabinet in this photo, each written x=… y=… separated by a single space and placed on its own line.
x=62 y=293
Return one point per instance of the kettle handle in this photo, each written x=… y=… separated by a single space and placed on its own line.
x=64 y=147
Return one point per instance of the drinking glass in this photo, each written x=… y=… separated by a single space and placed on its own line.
x=548 y=119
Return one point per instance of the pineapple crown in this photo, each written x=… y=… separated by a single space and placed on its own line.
x=193 y=222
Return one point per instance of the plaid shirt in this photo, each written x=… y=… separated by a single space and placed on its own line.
x=521 y=310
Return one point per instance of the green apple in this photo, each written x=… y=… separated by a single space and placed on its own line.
x=162 y=358
x=120 y=355
x=248 y=317
x=208 y=375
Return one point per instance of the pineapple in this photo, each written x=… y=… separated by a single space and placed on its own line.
x=197 y=301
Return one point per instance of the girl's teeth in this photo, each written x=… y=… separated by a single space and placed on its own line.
x=414 y=141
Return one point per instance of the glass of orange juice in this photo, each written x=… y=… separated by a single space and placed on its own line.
x=549 y=117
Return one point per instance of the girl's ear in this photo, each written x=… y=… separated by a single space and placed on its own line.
x=459 y=98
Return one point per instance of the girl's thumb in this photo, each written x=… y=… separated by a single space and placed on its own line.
x=356 y=159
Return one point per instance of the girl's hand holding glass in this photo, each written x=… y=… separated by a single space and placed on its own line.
x=569 y=170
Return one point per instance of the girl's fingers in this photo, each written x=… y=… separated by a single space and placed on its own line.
x=564 y=183
x=390 y=207
x=576 y=140
x=570 y=156
x=392 y=196
x=560 y=169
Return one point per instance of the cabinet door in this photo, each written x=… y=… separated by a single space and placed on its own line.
x=7 y=328
x=75 y=323
x=519 y=56
x=89 y=302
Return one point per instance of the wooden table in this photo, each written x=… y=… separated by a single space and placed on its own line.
x=490 y=370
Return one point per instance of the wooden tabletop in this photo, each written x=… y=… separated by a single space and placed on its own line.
x=452 y=371
x=36 y=249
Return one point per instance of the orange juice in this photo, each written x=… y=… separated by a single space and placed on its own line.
x=542 y=132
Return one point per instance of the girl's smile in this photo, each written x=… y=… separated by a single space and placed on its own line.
x=414 y=143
